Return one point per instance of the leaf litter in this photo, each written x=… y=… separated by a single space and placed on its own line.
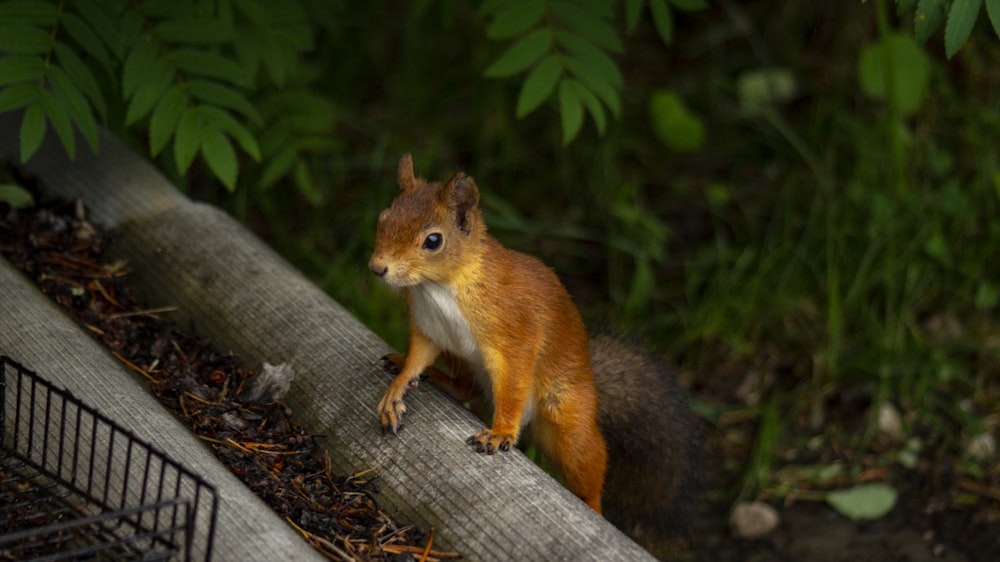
x=238 y=412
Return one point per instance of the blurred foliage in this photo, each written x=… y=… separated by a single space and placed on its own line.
x=794 y=201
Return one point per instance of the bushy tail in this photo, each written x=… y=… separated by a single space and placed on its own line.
x=654 y=446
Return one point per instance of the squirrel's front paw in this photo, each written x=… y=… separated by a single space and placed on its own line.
x=486 y=441
x=391 y=409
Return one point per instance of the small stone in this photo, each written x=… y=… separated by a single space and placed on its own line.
x=753 y=520
x=270 y=385
x=981 y=447
x=890 y=423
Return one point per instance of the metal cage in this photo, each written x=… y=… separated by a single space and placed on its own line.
x=75 y=485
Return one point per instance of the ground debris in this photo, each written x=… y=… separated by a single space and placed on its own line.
x=237 y=412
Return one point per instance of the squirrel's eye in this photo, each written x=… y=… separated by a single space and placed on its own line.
x=433 y=241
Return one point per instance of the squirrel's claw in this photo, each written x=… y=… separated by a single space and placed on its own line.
x=486 y=441
x=390 y=410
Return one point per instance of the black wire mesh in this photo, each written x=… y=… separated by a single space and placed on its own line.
x=74 y=485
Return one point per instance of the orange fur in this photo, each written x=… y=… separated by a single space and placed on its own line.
x=502 y=318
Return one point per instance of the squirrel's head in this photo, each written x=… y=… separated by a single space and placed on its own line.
x=429 y=232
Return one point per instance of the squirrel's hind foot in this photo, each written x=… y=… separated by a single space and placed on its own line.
x=486 y=441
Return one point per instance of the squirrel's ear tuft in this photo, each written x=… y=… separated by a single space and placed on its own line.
x=462 y=196
x=405 y=174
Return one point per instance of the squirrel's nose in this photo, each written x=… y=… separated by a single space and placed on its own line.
x=377 y=268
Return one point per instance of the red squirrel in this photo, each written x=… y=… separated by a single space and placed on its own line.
x=608 y=416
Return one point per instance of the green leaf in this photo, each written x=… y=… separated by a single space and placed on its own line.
x=220 y=156
x=35 y=13
x=864 y=501
x=588 y=25
x=159 y=78
x=539 y=84
x=187 y=140
x=305 y=183
x=194 y=31
x=211 y=65
x=222 y=120
x=674 y=123
x=595 y=83
x=15 y=69
x=98 y=18
x=165 y=9
x=910 y=66
x=139 y=64
x=15 y=196
x=689 y=5
x=166 y=118
x=279 y=165
x=18 y=96
x=20 y=39
x=590 y=101
x=662 y=20
x=904 y=6
x=571 y=112
x=75 y=104
x=592 y=56
x=515 y=19
x=937 y=247
x=131 y=30
x=961 y=18
x=987 y=295
x=525 y=52
x=633 y=12
x=224 y=96
x=80 y=74
x=993 y=10
x=928 y=18
x=88 y=40
x=58 y=114
x=32 y=130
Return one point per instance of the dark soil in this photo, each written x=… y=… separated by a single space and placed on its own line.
x=260 y=442
x=941 y=514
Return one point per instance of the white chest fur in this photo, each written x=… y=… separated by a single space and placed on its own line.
x=436 y=312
